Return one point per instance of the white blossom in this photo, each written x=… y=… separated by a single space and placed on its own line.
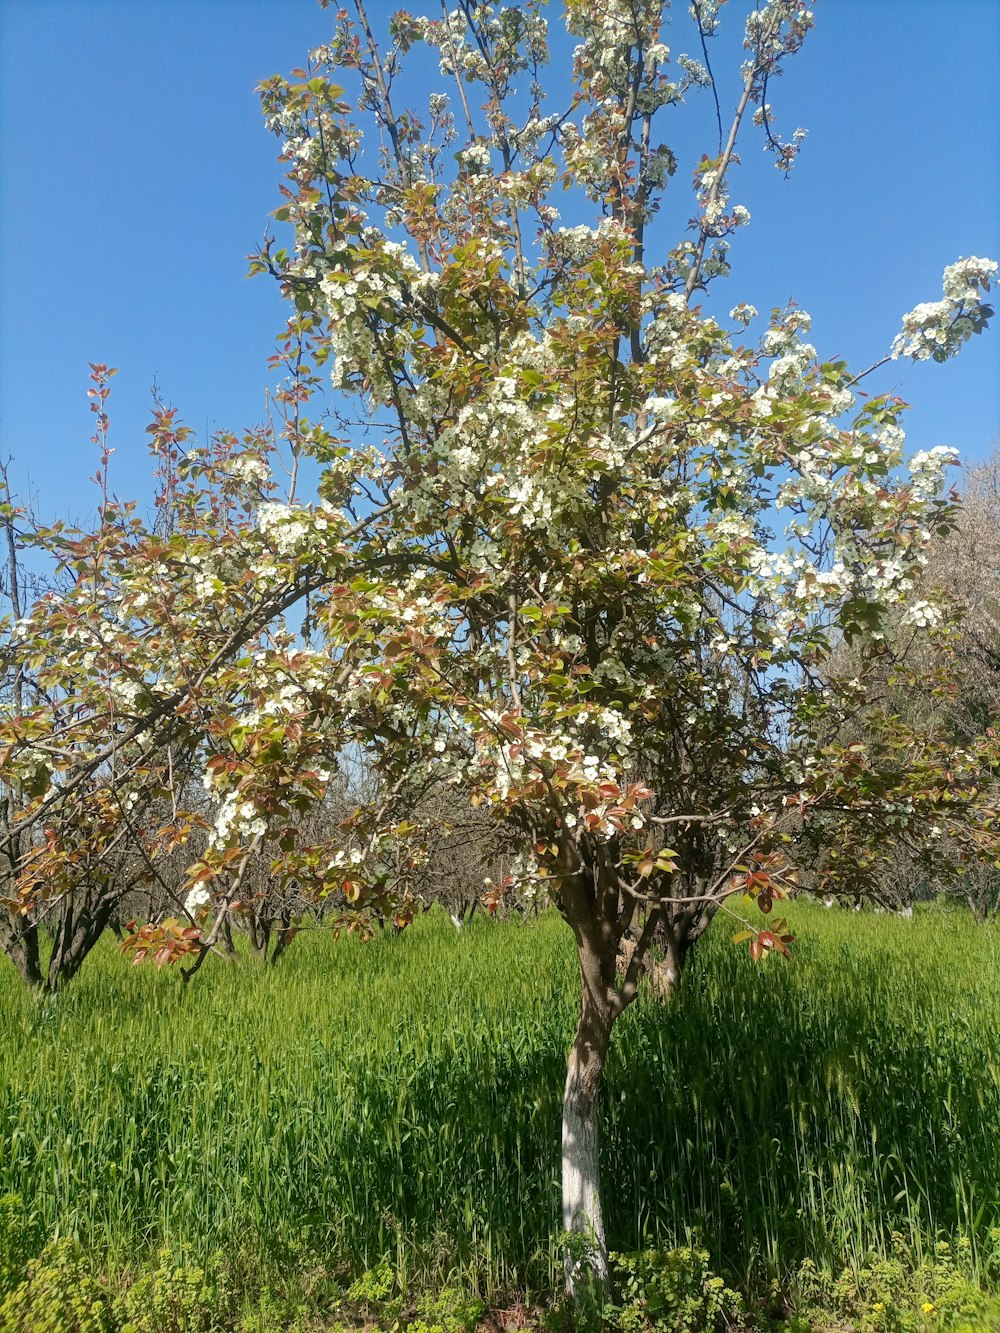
x=197 y=898
x=937 y=329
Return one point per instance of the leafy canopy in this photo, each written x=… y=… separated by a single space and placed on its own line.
x=584 y=549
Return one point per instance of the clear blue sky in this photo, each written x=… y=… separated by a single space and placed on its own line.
x=136 y=175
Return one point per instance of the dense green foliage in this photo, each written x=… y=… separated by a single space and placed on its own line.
x=401 y=1099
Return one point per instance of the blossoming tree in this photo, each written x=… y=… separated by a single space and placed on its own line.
x=583 y=550
x=943 y=681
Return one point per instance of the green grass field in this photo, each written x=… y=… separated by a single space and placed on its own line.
x=401 y=1099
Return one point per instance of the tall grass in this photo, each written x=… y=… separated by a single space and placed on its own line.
x=402 y=1098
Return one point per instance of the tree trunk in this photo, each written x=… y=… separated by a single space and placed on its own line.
x=600 y=1003
x=228 y=943
x=283 y=939
x=594 y=913
x=20 y=945
x=581 y=1164
x=466 y=911
x=662 y=975
x=81 y=923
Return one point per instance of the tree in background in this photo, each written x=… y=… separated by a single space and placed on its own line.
x=966 y=568
x=969 y=568
x=939 y=678
x=579 y=559
x=64 y=881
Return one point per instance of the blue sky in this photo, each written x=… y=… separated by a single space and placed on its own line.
x=136 y=175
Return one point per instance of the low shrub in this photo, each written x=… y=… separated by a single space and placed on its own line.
x=669 y=1291
x=59 y=1294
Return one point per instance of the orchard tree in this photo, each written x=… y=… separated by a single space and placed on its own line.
x=118 y=691
x=939 y=676
x=965 y=573
x=65 y=880
x=579 y=555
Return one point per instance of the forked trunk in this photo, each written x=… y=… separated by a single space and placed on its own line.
x=604 y=995
x=79 y=927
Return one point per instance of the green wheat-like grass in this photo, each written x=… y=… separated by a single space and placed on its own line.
x=402 y=1098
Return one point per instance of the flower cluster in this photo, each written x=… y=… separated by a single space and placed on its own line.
x=937 y=329
x=197 y=898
